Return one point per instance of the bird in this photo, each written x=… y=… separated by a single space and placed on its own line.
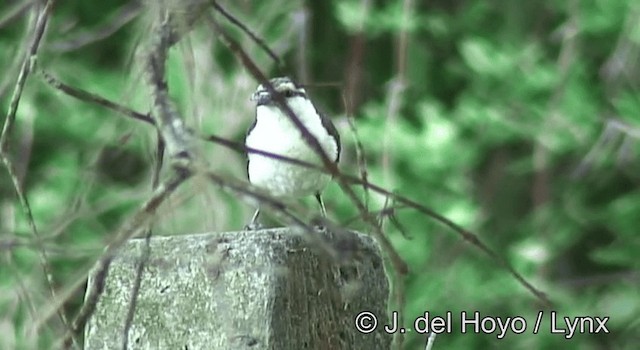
x=273 y=131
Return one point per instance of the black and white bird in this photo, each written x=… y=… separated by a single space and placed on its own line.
x=274 y=132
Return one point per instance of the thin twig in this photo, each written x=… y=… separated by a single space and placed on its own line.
x=360 y=154
x=24 y=291
x=397 y=86
x=389 y=210
x=357 y=48
x=91 y=300
x=380 y=213
x=93 y=98
x=15 y=12
x=122 y=17
x=301 y=23
x=135 y=289
x=167 y=118
x=247 y=31
x=27 y=66
x=613 y=130
x=430 y=341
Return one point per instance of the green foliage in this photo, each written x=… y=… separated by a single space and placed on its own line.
x=489 y=123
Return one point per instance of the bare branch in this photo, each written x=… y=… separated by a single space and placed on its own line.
x=614 y=130
x=27 y=65
x=360 y=154
x=301 y=22
x=247 y=31
x=93 y=98
x=167 y=118
x=15 y=12
x=122 y=17
x=26 y=68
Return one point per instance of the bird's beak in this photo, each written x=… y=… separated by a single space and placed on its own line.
x=261 y=98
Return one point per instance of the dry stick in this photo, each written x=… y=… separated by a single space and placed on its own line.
x=16 y=11
x=389 y=210
x=397 y=88
x=357 y=48
x=613 y=130
x=122 y=17
x=251 y=35
x=466 y=235
x=301 y=19
x=384 y=212
x=7 y=82
x=430 y=341
x=166 y=117
x=134 y=225
x=615 y=71
x=27 y=66
x=350 y=93
x=391 y=213
x=91 y=300
x=24 y=291
x=360 y=155
x=93 y=98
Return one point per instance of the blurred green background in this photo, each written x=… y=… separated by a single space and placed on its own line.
x=518 y=120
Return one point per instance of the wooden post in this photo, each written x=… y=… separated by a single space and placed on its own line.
x=265 y=289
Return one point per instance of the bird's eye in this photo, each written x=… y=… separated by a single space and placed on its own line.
x=289 y=93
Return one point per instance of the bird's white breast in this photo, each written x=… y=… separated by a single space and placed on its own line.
x=275 y=133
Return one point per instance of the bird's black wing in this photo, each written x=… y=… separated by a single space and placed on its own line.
x=253 y=126
x=331 y=129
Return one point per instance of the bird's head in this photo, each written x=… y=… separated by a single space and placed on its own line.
x=283 y=85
